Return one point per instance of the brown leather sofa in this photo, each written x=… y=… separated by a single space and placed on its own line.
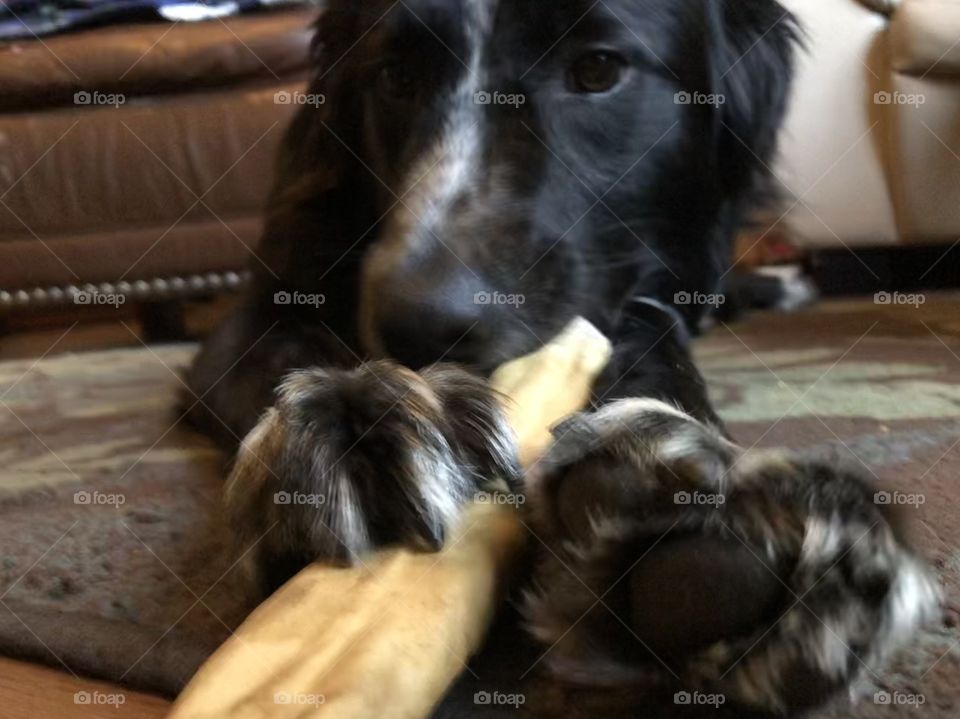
x=871 y=150
x=161 y=196
x=135 y=159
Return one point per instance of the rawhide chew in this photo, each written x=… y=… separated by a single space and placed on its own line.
x=387 y=635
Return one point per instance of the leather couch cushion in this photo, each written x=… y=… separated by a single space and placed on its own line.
x=133 y=175
x=925 y=168
x=102 y=193
x=925 y=38
x=831 y=162
x=155 y=58
x=105 y=168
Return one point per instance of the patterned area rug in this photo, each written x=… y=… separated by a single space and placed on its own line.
x=881 y=385
x=108 y=504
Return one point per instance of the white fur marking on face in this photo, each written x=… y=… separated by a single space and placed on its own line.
x=452 y=165
x=449 y=169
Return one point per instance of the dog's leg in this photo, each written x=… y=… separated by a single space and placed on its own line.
x=651 y=358
x=234 y=377
x=767 y=578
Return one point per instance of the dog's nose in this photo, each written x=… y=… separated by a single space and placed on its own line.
x=422 y=320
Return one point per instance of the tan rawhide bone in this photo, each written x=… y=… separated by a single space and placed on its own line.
x=386 y=638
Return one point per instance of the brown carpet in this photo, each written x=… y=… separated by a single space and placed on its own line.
x=146 y=546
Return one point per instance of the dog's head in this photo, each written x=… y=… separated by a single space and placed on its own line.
x=497 y=167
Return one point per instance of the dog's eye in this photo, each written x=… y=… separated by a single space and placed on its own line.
x=596 y=72
x=397 y=81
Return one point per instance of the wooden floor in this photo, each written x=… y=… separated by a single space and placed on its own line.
x=29 y=691
x=57 y=333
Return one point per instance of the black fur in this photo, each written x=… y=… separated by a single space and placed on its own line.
x=581 y=201
x=404 y=203
x=399 y=203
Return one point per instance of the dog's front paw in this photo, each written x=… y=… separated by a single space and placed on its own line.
x=347 y=461
x=768 y=578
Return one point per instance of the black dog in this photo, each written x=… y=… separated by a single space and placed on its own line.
x=473 y=155
x=468 y=177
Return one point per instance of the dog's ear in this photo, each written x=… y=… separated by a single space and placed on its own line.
x=308 y=153
x=750 y=52
x=312 y=189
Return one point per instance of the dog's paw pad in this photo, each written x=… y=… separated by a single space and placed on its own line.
x=655 y=524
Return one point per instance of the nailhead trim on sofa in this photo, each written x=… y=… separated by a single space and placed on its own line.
x=158 y=288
